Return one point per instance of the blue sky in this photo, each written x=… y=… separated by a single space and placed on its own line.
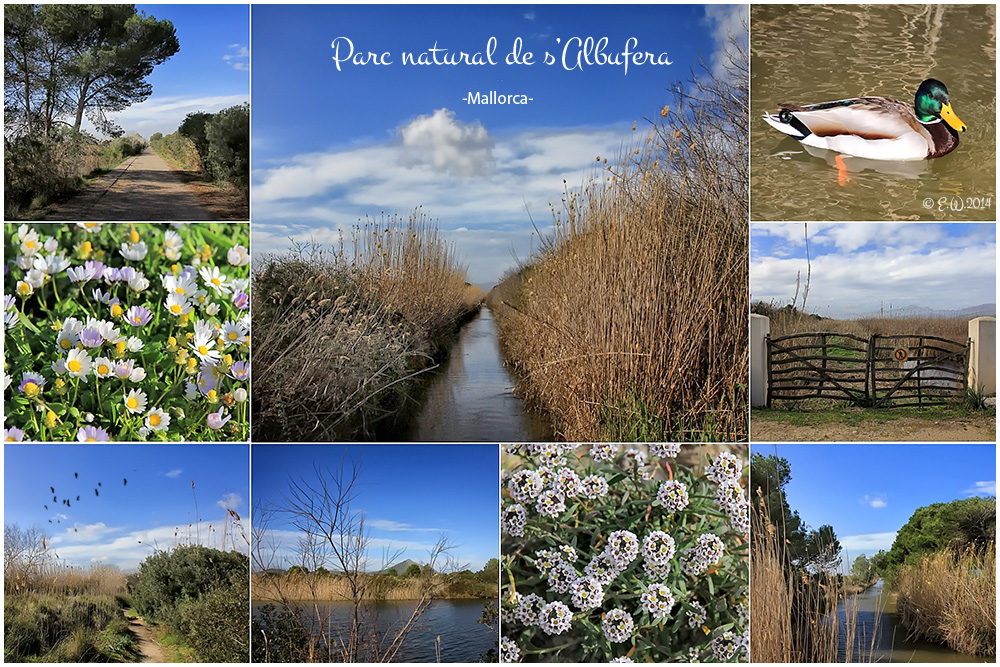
x=126 y=522
x=330 y=146
x=857 y=268
x=868 y=492
x=409 y=494
x=210 y=72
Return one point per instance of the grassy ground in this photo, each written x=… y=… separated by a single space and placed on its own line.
x=838 y=413
x=343 y=336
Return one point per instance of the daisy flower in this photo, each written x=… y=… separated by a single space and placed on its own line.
x=234 y=333
x=177 y=305
x=103 y=367
x=13 y=434
x=92 y=434
x=172 y=245
x=241 y=300
x=157 y=420
x=217 y=420
x=214 y=279
x=138 y=316
x=78 y=364
x=31 y=384
x=135 y=401
x=240 y=370
x=134 y=252
x=204 y=346
x=238 y=256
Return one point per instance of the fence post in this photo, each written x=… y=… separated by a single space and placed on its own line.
x=760 y=327
x=983 y=355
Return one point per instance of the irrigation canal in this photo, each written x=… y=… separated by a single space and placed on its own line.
x=471 y=397
x=880 y=637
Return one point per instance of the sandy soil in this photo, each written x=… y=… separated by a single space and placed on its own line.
x=143 y=187
x=148 y=648
x=903 y=429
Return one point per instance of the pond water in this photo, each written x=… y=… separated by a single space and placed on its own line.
x=806 y=54
x=881 y=638
x=463 y=639
x=471 y=397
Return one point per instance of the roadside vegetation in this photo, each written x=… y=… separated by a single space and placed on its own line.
x=629 y=324
x=786 y=320
x=55 y=613
x=64 y=63
x=343 y=335
x=216 y=145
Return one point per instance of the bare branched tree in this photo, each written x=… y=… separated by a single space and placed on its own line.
x=24 y=553
x=334 y=542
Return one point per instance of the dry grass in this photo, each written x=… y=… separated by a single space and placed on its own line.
x=784 y=323
x=631 y=325
x=794 y=617
x=54 y=578
x=950 y=598
x=311 y=587
x=339 y=336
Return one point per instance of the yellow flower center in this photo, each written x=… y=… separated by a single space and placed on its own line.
x=137 y=319
x=91 y=440
x=31 y=389
x=74 y=365
x=87 y=247
x=178 y=290
x=116 y=310
x=65 y=344
x=29 y=244
x=233 y=335
x=23 y=288
x=103 y=369
x=133 y=237
x=154 y=419
x=216 y=281
x=202 y=349
x=175 y=309
x=131 y=403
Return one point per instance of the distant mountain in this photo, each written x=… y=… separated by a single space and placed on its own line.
x=983 y=310
x=401 y=568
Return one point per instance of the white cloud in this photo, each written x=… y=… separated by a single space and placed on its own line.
x=869 y=543
x=230 y=501
x=446 y=144
x=983 y=489
x=165 y=114
x=876 y=502
x=728 y=22
x=238 y=57
x=394 y=526
x=173 y=474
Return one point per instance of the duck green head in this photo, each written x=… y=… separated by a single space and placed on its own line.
x=932 y=103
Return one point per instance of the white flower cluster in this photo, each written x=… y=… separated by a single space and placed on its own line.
x=664 y=450
x=509 y=652
x=707 y=552
x=725 y=646
x=593 y=487
x=725 y=472
x=673 y=496
x=588 y=593
x=513 y=519
x=622 y=548
x=696 y=614
x=658 y=548
x=524 y=485
x=618 y=626
x=604 y=451
x=726 y=468
x=528 y=607
x=555 y=618
x=658 y=600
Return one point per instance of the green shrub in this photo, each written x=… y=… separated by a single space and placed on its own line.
x=228 y=136
x=279 y=635
x=216 y=624
x=168 y=578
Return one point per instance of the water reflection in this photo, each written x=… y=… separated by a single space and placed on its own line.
x=816 y=53
x=471 y=398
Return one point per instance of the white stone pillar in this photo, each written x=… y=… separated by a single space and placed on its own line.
x=983 y=355
x=760 y=327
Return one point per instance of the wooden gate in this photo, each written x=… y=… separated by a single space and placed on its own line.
x=879 y=371
x=918 y=370
x=818 y=365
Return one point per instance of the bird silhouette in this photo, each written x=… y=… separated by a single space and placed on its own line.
x=78 y=498
x=55 y=499
x=45 y=506
x=50 y=520
x=67 y=503
x=96 y=493
x=76 y=530
x=52 y=489
x=124 y=482
x=98 y=484
x=76 y=475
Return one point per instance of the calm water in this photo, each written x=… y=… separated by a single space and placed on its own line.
x=462 y=638
x=816 y=53
x=471 y=398
x=877 y=620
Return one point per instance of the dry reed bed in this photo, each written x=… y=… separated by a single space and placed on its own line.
x=950 y=598
x=310 y=587
x=794 y=616
x=953 y=328
x=341 y=335
x=631 y=325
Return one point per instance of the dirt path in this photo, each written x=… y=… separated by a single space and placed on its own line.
x=148 y=648
x=905 y=429
x=143 y=187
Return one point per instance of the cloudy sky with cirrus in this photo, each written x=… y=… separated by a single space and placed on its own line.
x=330 y=147
x=860 y=269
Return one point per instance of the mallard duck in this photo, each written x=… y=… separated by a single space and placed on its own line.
x=876 y=127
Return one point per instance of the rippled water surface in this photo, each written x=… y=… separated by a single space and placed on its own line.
x=816 y=53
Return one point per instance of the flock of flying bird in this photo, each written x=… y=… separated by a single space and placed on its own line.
x=66 y=501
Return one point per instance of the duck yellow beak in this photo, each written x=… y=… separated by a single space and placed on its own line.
x=948 y=114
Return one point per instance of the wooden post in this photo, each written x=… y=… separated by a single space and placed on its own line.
x=767 y=347
x=870 y=378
